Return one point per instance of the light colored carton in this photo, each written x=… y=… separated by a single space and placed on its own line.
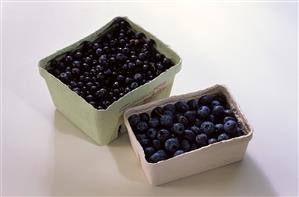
x=196 y=161
x=103 y=125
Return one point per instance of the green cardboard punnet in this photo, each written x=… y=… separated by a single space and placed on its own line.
x=103 y=125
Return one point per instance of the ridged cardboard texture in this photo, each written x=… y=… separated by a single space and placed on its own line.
x=196 y=161
x=103 y=125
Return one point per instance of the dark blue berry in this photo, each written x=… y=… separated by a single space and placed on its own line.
x=230 y=127
x=207 y=127
x=190 y=115
x=141 y=126
x=193 y=146
x=201 y=139
x=205 y=100
x=212 y=140
x=149 y=150
x=182 y=119
x=227 y=118
x=151 y=133
x=185 y=145
x=193 y=104
x=163 y=134
x=134 y=119
x=144 y=117
x=171 y=145
x=219 y=128
x=158 y=156
x=181 y=106
x=145 y=142
x=157 y=112
x=154 y=122
x=222 y=136
x=218 y=110
x=203 y=112
x=215 y=103
x=189 y=135
x=169 y=107
x=178 y=152
x=157 y=144
x=195 y=129
x=178 y=128
x=166 y=121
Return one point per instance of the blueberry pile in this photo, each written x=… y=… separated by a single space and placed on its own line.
x=106 y=69
x=177 y=128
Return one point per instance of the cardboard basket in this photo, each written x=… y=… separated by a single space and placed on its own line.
x=103 y=125
x=196 y=161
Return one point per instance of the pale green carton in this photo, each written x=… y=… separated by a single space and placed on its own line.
x=103 y=125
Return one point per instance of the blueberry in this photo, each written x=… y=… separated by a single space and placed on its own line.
x=171 y=145
x=140 y=136
x=195 y=129
x=185 y=145
x=75 y=71
x=145 y=142
x=178 y=152
x=203 y=111
x=169 y=107
x=151 y=133
x=228 y=112
x=193 y=104
x=149 y=150
x=178 y=128
x=207 y=127
x=239 y=132
x=156 y=144
x=190 y=115
x=227 y=118
x=218 y=110
x=101 y=93
x=166 y=121
x=222 y=136
x=144 y=117
x=134 y=119
x=230 y=127
x=141 y=126
x=157 y=112
x=205 y=100
x=215 y=103
x=63 y=77
x=181 y=106
x=138 y=77
x=183 y=120
x=89 y=97
x=158 y=156
x=189 y=135
x=163 y=134
x=202 y=139
x=219 y=128
x=212 y=140
x=167 y=112
x=197 y=122
x=134 y=85
x=193 y=146
x=154 y=122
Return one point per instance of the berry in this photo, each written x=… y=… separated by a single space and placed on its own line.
x=154 y=122
x=166 y=121
x=218 y=110
x=219 y=128
x=157 y=112
x=195 y=129
x=145 y=142
x=141 y=127
x=193 y=104
x=163 y=134
x=158 y=156
x=149 y=150
x=144 y=117
x=178 y=128
x=156 y=144
x=215 y=103
x=189 y=135
x=151 y=133
x=227 y=118
x=212 y=140
x=171 y=145
x=181 y=106
x=230 y=127
x=185 y=145
x=203 y=112
x=178 y=152
x=169 y=107
x=202 y=139
x=183 y=120
x=190 y=115
x=205 y=100
x=207 y=127
x=222 y=136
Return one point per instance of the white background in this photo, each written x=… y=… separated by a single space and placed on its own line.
x=249 y=46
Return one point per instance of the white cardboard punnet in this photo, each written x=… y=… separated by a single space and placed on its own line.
x=196 y=161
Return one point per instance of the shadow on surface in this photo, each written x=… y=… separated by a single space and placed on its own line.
x=63 y=125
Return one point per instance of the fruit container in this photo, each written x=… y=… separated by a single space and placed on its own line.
x=103 y=126
x=195 y=161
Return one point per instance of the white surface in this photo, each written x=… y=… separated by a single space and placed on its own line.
x=250 y=47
